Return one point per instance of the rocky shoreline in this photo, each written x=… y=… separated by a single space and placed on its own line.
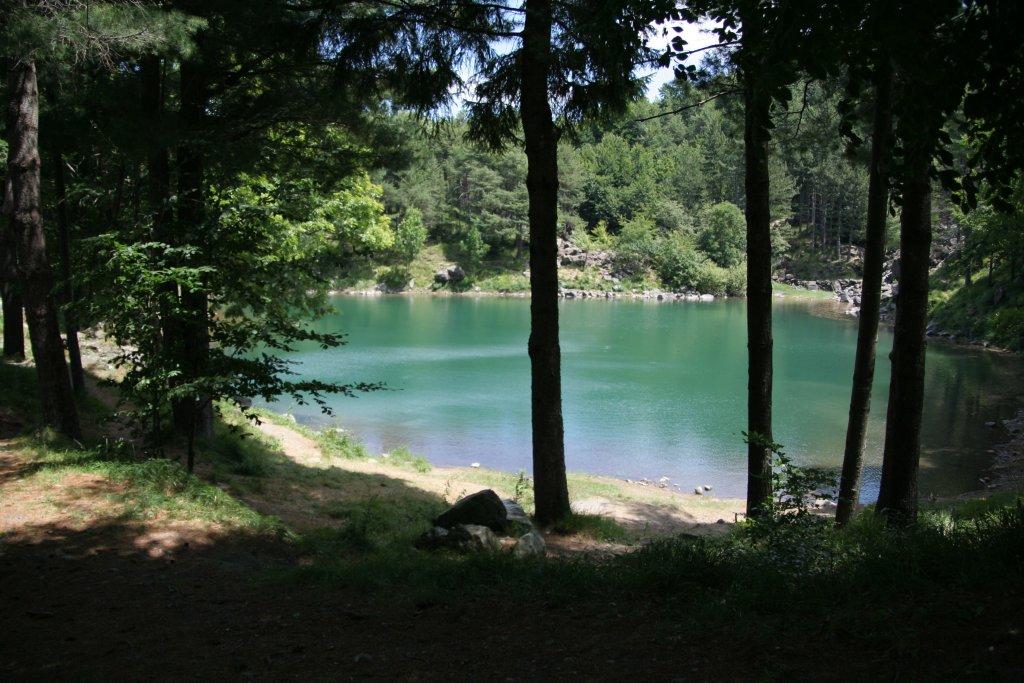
x=1007 y=470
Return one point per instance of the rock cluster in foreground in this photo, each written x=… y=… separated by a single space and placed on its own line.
x=483 y=522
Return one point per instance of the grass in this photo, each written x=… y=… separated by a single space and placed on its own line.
x=370 y=525
x=150 y=487
x=596 y=527
x=805 y=570
x=989 y=309
x=403 y=457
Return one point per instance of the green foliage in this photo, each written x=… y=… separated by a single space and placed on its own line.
x=723 y=234
x=338 y=443
x=410 y=235
x=637 y=246
x=678 y=264
x=99 y=31
x=594 y=526
x=472 y=246
x=357 y=216
x=403 y=457
x=151 y=487
x=395 y=278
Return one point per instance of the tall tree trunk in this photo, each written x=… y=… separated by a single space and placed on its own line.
x=10 y=289
x=551 y=491
x=158 y=166
x=64 y=236
x=194 y=328
x=56 y=398
x=871 y=295
x=759 y=294
x=897 y=495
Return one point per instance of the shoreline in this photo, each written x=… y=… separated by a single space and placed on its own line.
x=845 y=309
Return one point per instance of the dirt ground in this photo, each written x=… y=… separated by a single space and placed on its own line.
x=88 y=593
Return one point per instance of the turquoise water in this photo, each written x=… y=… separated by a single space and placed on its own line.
x=650 y=389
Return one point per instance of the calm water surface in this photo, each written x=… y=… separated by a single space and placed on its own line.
x=650 y=390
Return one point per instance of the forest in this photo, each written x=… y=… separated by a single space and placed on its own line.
x=210 y=206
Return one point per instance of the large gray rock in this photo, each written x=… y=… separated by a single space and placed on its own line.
x=472 y=538
x=463 y=538
x=517 y=521
x=450 y=275
x=456 y=274
x=530 y=545
x=434 y=539
x=483 y=508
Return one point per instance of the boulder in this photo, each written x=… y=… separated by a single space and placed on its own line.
x=530 y=545
x=483 y=508
x=434 y=539
x=450 y=275
x=517 y=521
x=456 y=274
x=472 y=538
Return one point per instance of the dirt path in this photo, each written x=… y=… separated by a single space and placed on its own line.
x=646 y=509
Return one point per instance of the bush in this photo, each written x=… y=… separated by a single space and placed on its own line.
x=723 y=234
x=410 y=236
x=678 y=263
x=710 y=279
x=472 y=246
x=736 y=280
x=1007 y=325
x=395 y=278
x=638 y=246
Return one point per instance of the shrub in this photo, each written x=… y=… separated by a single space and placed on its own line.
x=410 y=236
x=723 y=234
x=472 y=246
x=1007 y=325
x=637 y=246
x=710 y=279
x=395 y=277
x=678 y=263
x=736 y=280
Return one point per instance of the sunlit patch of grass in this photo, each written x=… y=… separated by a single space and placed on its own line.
x=370 y=524
x=594 y=526
x=149 y=487
x=403 y=457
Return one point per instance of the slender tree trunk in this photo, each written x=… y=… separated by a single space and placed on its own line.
x=56 y=398
x=10 y=289
x=897 y=496
x=551 y=491
x=158 y=167
x=194 y=328
x=759 y=296
x=871 y=295
x=814 y=220
x=70 y=319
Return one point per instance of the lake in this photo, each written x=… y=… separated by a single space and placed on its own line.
x=649 y=389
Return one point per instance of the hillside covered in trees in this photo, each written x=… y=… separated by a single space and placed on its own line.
x=189 y=184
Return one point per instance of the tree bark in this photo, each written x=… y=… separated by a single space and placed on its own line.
x=64 y=237
x=10 y=289
x=194 y=327
x=56 y=398
x=158 y=166
x=897 y=496
x=551 y=491
x=871 y=295
x=759 y=295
